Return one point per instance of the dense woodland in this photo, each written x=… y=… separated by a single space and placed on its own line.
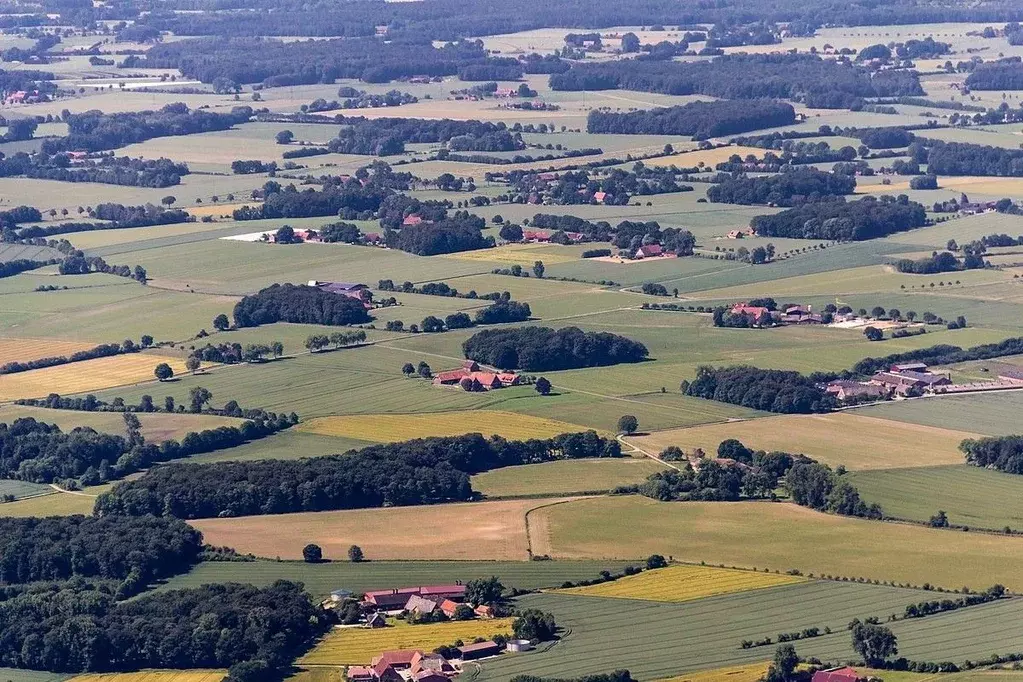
x=960 y=158
x=451 y=235
x=543 y=348
x=298 y=304
x=94 y=131
x=814 y=81
x=841 y=220
x=108 y=170
x=1000 y=75
x=770 y=390
x=702 y=120
x=386 y=136
x=424 y=471
x=785 y=189
x=76 y=627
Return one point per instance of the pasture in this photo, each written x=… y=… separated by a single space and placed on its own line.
x=155 y=676
x=992 y=414
x=320 y=579
x=604 y=634
x=57 y=504
x=22 y=675
x=972 y=496
x=358 y=645
x=564 y=477
x=85 y=376
x=475 y=530
x=683 y=582
x=848 y=438
x=776 y=536
x=391 y=428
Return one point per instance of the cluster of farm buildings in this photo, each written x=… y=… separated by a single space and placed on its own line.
x=914 y=379
x=765 y=317
x=414 y=665
x=479 y=378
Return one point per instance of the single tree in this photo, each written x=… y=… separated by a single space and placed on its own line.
x=482 y=591
x=534 y=625
x=312 y=554
x=873 y=334
x=538 y=269
x=628 y=424
x=198 y=397
x=656 y=561
x=221 y=323
x=146 y=340
x=939 y=520
x=192 y=364
x=408 y=369
x=163 y=371
x=276 y=349
x=168 y=200
x=355 y=554
x=542 y=386
x=168 y=403
x=875 y=643
x=285 y=137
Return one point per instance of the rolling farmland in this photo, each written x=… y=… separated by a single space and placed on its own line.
x=992 y=414
x=391 y=428
x=564 y=477
x=86 y=376
x=683 y=582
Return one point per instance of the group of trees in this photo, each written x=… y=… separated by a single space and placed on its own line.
x=821 y=83
x=107 y=170
x=960 y=158
x=940 y=262
x=461 y=232
x=885 y=138
x=543 y=348
x=75 y=627
x=387 y=136
x=318 y=342
x=999 y=75
x=413 y=472
x=751 y=475
x=762 y=389
x=95 y=131
x=794 y=186
x=1004 y=453
x=840 y=220
x=298 y=304
x=702 y=120
x=114 y=216
x=815 y=485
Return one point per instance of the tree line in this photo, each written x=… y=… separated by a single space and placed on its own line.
x=298 y=304
x=702 y=120
x=114 y=216
x=960 y=158
x=816 y=82
x=543 y=348
x=1004 y=453
x=416 y=472
x=840 y=220
x=796 y=185
x=103 y=350
x=108 y=170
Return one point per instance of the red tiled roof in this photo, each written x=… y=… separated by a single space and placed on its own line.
x=397 y=657
x=836 y=675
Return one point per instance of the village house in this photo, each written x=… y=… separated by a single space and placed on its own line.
x=399 y=659
x=535 y=236
x=599 y=197
x=410 y=220
x=798 y=314
x=448 y=607
x=376 y=620
x=760 y=314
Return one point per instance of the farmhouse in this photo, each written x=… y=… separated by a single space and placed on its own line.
x=649 y=251
x=376 y=620
x=411 y=219
x=399 y=597
x=399 y=659
x=844 y=389
x=420 y=605
x=797 y=314
x=909 y=382
x=836 y=675
x=358 y=673
x=471 y=371
x=535 y=236
x=432 y=663
x=760 y=314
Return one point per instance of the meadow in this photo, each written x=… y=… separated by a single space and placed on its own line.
x=390 y=428
x=564 y=477
x=605 y=634
x=775 y=536
x=683 y=582
x=85 y=376
x=971 y=496
x=358 y=645
x=847 y=438
x=475 y=530
x=322 y=578
x=57 y=504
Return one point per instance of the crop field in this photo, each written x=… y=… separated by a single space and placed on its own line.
x=290 y=444
x=992 y=414
x=775 y=536
x=9 y=252
x=322 y=578
x=684 y=582
x=564 y=477
x=521 y=254
x=972 y=496
x=22 y=350
x=155 y=676
x=750 y=672
x=709 y=157
x=156 y=427
x=391 y=428
x=475 y=530
x=356 y=645
x=606 y=634
x=82 y=377
x=858 y=442
x=22 y=675
x=23 y=489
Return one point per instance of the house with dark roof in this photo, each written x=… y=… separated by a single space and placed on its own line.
x=471 y=652
x=376 y=620
x=420 y=605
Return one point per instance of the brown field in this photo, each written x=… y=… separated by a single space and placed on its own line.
x=480 y=530
x=22 y=350
x=216 y=210
x=156 y=427
x=858 y=442
x=522 y=254
x=710 y=157
x=80 y=377
x=750 y=672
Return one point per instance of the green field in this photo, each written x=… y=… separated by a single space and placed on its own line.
x=605 y=633
x=974 y=497
x=565 y=477
x=19 y=675
x=22 y=489
x=993 y=414
x=321 y=579
x=779 y=536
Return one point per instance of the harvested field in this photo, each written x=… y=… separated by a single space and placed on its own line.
x=750 y=672
x=156 y=427
x=564 y=477
x=391 y=428
x=155 y=676
x=857 y=441
x=521 y=254
x=480 y=530
x=776 y=536
x=82 y=377
x=353 y=646
x=23 y=350
x=709 y=157
x=684 y=582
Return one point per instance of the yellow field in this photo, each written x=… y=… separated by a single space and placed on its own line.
x=710 y=157
x=858 y=442
x=215 y=210
x=21 y=350
x=155 y=676
x=980 y=184
x=684 y=583
x=80 y=377
x=521 y=254
x=357 y=646
x=392 y=428
x=751 y=672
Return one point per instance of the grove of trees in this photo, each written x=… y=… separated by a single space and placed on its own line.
x=544 y=349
